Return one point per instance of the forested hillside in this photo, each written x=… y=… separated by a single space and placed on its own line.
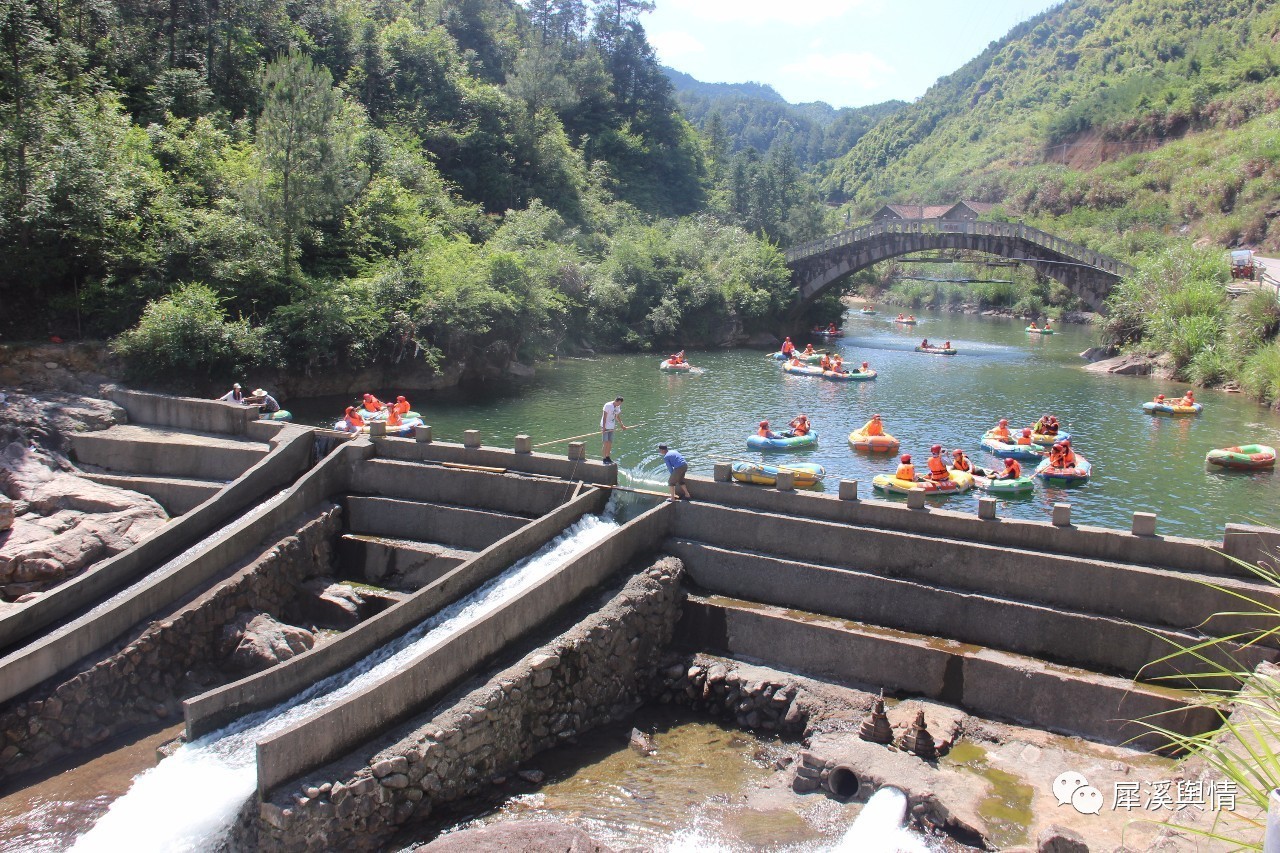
x=330 y=183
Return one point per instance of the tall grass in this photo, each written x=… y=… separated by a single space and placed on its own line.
x=1261 y=376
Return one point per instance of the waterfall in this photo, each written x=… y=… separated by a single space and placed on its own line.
x=190 y=800
x=881 y=827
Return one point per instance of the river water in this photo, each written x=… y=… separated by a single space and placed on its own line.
x=1141 y=463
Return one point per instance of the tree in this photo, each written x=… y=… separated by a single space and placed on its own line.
x=25 y=93
x=296 y=147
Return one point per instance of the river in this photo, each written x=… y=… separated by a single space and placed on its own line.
x=1141 y=463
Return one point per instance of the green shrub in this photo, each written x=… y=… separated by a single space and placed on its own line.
x=1261 y=376
x=1210 y=366
x=187 y=335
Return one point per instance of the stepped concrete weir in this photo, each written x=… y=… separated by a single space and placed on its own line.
x=1050 y=626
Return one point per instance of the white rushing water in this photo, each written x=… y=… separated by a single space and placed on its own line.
x=190 y=800
x=880 y=827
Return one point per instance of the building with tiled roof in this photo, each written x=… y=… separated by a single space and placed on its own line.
x=963 y=210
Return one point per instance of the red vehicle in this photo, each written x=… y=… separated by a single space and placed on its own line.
x=1242 y=265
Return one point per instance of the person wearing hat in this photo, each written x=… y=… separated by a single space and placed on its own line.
x=765 y=432
x=875 y=426
x=677 y=467
x=1001 y=431
x=235 y=395
x=906 y=471
x=960 y=462
x=800 y=424
x=938 y=471
x=610 y=419
x=268 y=404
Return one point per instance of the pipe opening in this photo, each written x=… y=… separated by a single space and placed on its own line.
x=843 y=782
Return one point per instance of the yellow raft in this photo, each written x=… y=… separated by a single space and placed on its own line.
x=961 y=481
x=806 y=475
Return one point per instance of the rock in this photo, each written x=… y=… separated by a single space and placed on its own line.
x=642 y=742
x=521 y=371
x=1058 y=839
x=1132 y=364
x=532 y=836
x=6 y=514
x=51 y=417
x=1099 y=353
x=255 y=641
x=533 y=777
x=763 y=340
x=335 y=605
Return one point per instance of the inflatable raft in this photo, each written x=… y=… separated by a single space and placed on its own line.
x=1032 y=331
x=802 y=370
x=886 y=443
x=1065 y=476
x=405 y=428
x=960 y=482
x=277 y=415
x=906 y=322
x=937 y=350
x=381 y=415
x=1154 y=408
x=1007 y=450
x=666 y=364
x=806 y=475
x=867 y=311
x=1043 y=438
x=823 y=333
x=1246 y=457
x=849 y=375
x=807 y=359
x=791 y=442
x=1018 y=486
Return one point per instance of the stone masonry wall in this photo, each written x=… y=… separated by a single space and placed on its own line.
x=718 y=687
x=597 y=672
x=147 y=679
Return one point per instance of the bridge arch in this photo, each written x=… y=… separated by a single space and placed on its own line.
x=817 y=265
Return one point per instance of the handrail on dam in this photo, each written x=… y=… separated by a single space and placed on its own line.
x=1044 y=239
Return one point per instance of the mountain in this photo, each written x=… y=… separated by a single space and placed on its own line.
x=754 y=115
x=1118 y=114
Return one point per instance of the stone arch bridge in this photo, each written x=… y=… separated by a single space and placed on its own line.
x=818 y=264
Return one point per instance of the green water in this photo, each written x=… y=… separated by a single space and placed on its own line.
x=1141 y=463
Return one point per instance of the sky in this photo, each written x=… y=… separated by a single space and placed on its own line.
x=848 y=53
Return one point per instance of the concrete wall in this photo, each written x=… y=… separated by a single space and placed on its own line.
x=457 y=527
x=399 y=565
x=337 y=729
x=1078 y=639
x=186 y=413
x=1096 y=543
x=170 y=581
x=511 y=493
x=982 y=681
x=544 y=464
x=144 y=682
x=213 y=710
x=1174 y=599
x=177 y=496
x=131 y=450
x=276 y=470
x=595 y=673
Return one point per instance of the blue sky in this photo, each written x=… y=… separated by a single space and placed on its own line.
x=846 y=52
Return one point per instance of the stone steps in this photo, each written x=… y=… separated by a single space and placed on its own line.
x=983 y=681
x=1099 y=643
x=399 y=563
x=178 y=495
x=446 y=524
x=1172 y=599
x=163 y=452
x=528 y=497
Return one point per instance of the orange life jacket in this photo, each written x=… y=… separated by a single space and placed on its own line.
x=938 y=469
x=1057 y=458
x=1024 y=440
x=873 y=427
x=906 y=472
x=1001 y=433
x=825 y=363
x=1068 y=458
x=393 y=419
x=788 y=348
x=354 y=420
x=763 y=432
x=962 y=464
x=1012 y=470
x=401 y=408
x=373 y=404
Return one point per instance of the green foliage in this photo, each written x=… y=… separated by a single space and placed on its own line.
x=187 y=335
x=1261 y=375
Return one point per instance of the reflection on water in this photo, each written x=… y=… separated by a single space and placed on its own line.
x=1141 y=463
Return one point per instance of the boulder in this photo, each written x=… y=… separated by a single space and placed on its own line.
x=255 y=641
x=334 y=605
x=50 y=417
x=1132 y=364
x=763 y=340
x=1058 y=839
x=1099 y=353
x=531 y=836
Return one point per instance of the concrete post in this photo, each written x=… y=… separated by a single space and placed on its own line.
x=422 y=434
x=1144 y=524
x=1271 y=841
x=848 y=490
x=471 y=438
x=786 y=481
x=723 y=472
x=524 y=444
x=378 y=429
x=1251 y=543
x=987 y=509
x=915 y=499
x=577 y=451
x=1062 y=515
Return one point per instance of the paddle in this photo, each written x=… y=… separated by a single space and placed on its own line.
x=584 y=435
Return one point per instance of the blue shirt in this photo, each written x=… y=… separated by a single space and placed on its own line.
x=673 y=459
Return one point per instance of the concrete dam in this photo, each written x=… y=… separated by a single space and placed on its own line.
x=476 y=606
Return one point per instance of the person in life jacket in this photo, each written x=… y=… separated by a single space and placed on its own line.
x=800 y=425
x=1159 y=399
x=1068 y=455
x=352 y=420
x=401 y=406
x=837 y=364
x=1057 y=456
x=1012 y=470
x=1025 y=438
x=937 y=467
x=824 y=362
x=901 y=317
x=808 y=349
x=1048 y=324
x=373 y=404
x=875 y=426
x=1188 y=399
x=911 y=317
x=765 y=432
x=924 y=344
x=394 y=419
x=947 y=345
x=865 y=367
x=960 y=462
x=831 y=329
x=795 y=360
x=788 y=347
x=906 y=471
x=1033 y=327
x=1001 y=431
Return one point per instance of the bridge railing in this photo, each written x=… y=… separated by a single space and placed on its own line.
x=1044 y=239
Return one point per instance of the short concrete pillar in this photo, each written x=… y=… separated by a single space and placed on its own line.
x=378 y=429
x=987 y=509
x=915 y=499
x=524 y=444
x=786 y=481
x=577 y=451
x=1144 y=524
x=471 y=438
x=422 y=434
x=848 y=490
x=723 y=472
x=1062 y=515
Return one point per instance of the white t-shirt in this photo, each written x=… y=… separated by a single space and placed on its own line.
x=609 y=420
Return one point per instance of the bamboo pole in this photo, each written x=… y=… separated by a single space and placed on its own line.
x=461 y=467
x=576 y=437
